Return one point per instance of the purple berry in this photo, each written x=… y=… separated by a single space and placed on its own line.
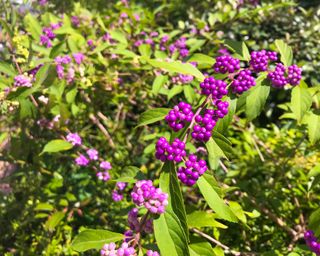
x=152 y=253
x=179 y=116
x=93 y=154
x=105 y=165
x=226 y=64
x=260 y=59
x=116 y=196
x=145 y=194
x=278 y=77
x=74 y=139
x=294 y=75
x=23 y=81
x=104 y=176
x=243 y=82
x=217 y=88
x=166 y=152
x=193 y=169
x=81 y=160
x=205 y=124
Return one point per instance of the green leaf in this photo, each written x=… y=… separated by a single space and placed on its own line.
x=238 y=211
x=313 y=124
x=285 y=52
x=119 y=36
x=203 y=61
x=33 y=26
x=145 y=50
x=178 y=67
x=215 y=202
x=314 y=222
x=189 y=93
x=7 y=69
x=171 y=230
x=195 y=44
x=301 y=101
x=71 y=95
x=43 y=207
x=240 y=49
x=6 y=28
x=176 y=89
x=56 y=146
x=152 y=116
x=256 y=100
x=170 y=236
x=201 y=247
x=58 y=49
x=315 y=171
x=124 y=52
x=218 y=147
x=158 y=83
x=94 y=239
x=199 y=219
x=129 y=174
x=27 y=109
x=54 y=221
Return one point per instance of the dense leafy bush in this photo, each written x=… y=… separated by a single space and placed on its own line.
x=171 y=127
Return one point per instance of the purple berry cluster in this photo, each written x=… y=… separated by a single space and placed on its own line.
x=311 y=241
x=92 y=155
x=152 y=253
x=124 y=250
x=63 y=62
x=204 y=125
x=182 y=79
x=117 y=193
x=144 y=193
x=226 y=64
x=294 y=75
x=243 y=82
x=216 y=88
x=174 y=152
x=23 y=81
x=34 y=71
x=277 y=77
x=260 y=59
x=136 y=225
x=203 y=128
x=74 y=139
x=179 y=116
x=180 y=46
x=193 y=169
x=282 y=76
x=48 y=35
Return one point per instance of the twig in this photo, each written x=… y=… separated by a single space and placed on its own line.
x=211 y=239
x=103 y=130
x=194 y=117
x=273 y=217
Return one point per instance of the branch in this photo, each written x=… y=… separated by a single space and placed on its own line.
x=102 y=129
x=211 y=239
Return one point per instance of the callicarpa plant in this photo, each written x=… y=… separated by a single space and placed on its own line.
x=148 y=128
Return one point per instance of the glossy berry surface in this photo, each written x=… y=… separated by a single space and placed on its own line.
x=145 y=194
x=226 y=64
x=193 y=169
x=243 y=82
x=294 y=75
x=179 y=116
x=170 y=152
x=278 y=76
x=216 y=88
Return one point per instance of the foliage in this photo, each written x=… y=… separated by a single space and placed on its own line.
x=260 y=193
